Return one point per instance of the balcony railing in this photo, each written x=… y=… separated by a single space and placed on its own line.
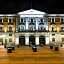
x=53 y=23
x=61 y=30
x=9 y=31
x=1 y=30
x=10 y=23
x=21 y=23
x=32 y=31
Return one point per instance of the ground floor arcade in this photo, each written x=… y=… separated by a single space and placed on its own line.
x=34 y=38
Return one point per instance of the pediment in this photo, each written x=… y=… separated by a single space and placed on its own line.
x=31 y=11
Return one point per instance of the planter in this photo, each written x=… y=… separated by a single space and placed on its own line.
x=34 y=49
x=56 y=48
x=9 y=50
x=12 y=47
x=51 y=46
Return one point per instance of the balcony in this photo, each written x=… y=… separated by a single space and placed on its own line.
x=9 y=31
x=31 y=23
x=61 y=31
x=41 y=23
x=1 y=30
x=21 y=23
x=10 y=23
x=53 y=23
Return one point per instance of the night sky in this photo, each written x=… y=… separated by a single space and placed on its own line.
x=15 y=6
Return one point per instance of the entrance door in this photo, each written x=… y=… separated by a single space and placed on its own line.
x=1 y=41
x=22 y=40
x=32 y=40
x=42 y=40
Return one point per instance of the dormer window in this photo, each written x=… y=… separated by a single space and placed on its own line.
x=10 y=20
x=31 y=20
x=62 y=20
x=52 y=19
x=41 y=19
x=21 y=20
x=0 y=20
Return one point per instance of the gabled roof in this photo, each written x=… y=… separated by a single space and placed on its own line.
x=31 y=11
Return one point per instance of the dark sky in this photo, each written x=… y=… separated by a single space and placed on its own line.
x=15 y=6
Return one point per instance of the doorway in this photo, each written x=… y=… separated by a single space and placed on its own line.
x=21 y=40
x=32 y=40
x=42 y=40
x=1 y=41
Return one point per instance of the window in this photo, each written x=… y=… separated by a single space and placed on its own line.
x=0 y=20
x=10 y=28
x=53 y=39
x=62 y=28
x=10 y=40
x=49 y=19
x=52 y=19
x=41 y=20
x=62 y=39
x=61 y=19
x=31 y=20
x=9 y=20
x=57 y=19
x=10 y=34
x=22 y=20
x=53 y=34
x=0 y=28
x=22 y=27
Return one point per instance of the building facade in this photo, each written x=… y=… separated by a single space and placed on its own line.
x=31 y=26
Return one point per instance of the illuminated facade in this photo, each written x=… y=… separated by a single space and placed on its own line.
x=31 y=26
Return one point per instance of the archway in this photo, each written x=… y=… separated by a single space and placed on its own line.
x=21 y=40
x=42 y=40
x=32 y=40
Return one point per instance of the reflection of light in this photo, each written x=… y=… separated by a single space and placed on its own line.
x=1 y=36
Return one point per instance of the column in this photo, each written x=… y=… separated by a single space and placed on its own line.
x=51 y=19
x=17 y=40
x=26 y=23
x=54 y=19
x=36 y=24
x=20 y=19
x=50 y=38
x=60 y=19
x=8 y=19
x=26 y=40
x=2 y=19
x=46 y=23
x=11 y=19
x=46 y=40
x=37 y=40
x=16 y=24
